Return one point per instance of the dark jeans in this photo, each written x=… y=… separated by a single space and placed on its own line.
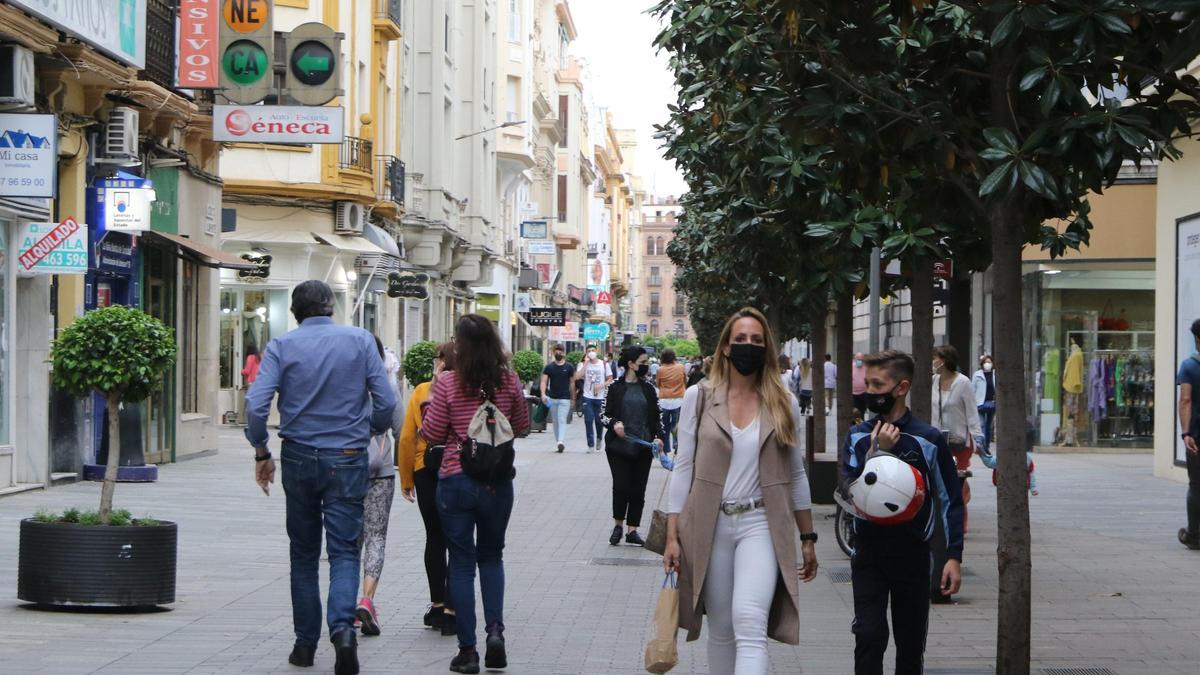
x=592 y=408
x=987 y=419
x=895 y=568
x=475 y=516
x=426 y=482
x=805 y=400
x=323 y=485
x=670 y=418
x=629 y=476
x=1193 y=495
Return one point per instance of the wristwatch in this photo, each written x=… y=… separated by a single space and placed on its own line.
x=1185 y=435
x=262 y=458
x=808 y=536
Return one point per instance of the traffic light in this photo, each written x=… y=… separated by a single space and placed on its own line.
x=313 y=70
x=247 y=50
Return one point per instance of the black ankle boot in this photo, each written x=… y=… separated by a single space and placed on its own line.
x=302 y=656
x=495 y=657
x=467 y=661
x=433 y=618
x=449 y=625
x=345 y=646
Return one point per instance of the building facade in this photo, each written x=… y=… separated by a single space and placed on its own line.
x=661 y=311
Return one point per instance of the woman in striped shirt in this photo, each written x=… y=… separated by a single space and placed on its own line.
x=467 y=505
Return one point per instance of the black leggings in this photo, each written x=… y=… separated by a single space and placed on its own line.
x=629 y=476
x=426 y=482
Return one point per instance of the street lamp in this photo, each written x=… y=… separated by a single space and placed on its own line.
x=501 y=126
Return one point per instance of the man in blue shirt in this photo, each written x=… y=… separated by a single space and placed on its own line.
x=1189 y=423
x=894 y=560
x=333 y=395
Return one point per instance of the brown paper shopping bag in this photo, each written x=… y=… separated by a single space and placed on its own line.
x=662 y=654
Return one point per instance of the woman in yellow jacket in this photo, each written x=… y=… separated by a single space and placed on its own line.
x=419 y=483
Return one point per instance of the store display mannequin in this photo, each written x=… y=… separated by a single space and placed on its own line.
x=1072 y=385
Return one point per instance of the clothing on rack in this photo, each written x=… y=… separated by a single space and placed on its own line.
x=1097 y=390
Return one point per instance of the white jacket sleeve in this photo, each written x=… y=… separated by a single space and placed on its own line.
x=972 y=411
x=685 y=452
x=801 y=494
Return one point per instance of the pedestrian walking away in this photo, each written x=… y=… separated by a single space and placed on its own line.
x=418 y=466
x=738 y=495
x=377 y=507
x=557 y=380
x=830 y=383
x=333 y=397
x=803 y=383
x=892 y=562
x=595 y=375
x=632 y=418
x=984 y=381
x=1189 y=423
x=672 y=383
x=858 y=385
x=475 y=508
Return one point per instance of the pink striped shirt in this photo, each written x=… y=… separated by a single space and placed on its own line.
x=450 y=412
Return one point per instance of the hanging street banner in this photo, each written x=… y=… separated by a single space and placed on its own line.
x=28 y=155
x=568 y=332
x=115 y=27
x=280 y=124
x=535 y=229
x=198 y=43
x=539 y=247
x=548 y=316
x=53 y=248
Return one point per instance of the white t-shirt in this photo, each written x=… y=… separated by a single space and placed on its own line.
x=593 y=379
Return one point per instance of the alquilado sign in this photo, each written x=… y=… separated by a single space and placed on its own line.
x=53 y=248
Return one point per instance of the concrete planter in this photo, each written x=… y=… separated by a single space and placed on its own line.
x=71 y=565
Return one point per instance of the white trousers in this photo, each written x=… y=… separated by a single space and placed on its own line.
x=739 y=585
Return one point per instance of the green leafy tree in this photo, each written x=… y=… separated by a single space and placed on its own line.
x=935 y=127
x=528 y=364
x=122 y=353
x=418 y=362
x=575 y=358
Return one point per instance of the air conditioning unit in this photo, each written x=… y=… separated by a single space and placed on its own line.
x=351 y=218
x=121 y=134
x=16 y=77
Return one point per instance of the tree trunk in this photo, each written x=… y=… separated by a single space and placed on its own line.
x=958 y=321
x=818 y=342
x=844 y=358
x=921 y=305
x=113 y=406
x=1012 y=499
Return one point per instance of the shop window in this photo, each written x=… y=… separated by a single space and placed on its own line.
x=189 y=334
x=228 y=333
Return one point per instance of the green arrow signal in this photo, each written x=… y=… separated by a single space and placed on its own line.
x=311 y=63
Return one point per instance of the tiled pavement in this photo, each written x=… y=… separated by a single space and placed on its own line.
x=1112 y=588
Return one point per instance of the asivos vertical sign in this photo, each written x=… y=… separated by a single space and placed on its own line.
x=199 y=23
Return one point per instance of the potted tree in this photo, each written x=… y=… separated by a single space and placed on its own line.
x=104 y=558
x=529 y=365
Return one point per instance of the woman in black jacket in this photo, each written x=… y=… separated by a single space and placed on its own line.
x=633 y=420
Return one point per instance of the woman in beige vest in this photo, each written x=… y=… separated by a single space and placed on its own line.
x=738 y=494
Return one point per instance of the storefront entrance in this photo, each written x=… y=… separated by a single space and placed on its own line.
x=250 y=318
x=158 y=427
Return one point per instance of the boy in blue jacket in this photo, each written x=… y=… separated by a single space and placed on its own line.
x=894 y=560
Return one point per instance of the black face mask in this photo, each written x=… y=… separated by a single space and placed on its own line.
x=882 y=404
x=747 y=358
x=559 y=356
x=643 y=370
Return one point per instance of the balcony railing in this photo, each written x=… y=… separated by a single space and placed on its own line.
x=655 y=281
x=355 y=153
x=390 y=9
x=655 y=311
x=389 y=180
x=160 y=42
x=679 y=310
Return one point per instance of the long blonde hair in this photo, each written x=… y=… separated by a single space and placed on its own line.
x=770 y=385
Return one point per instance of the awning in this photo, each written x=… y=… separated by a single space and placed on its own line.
x=265 y=236
x=203 y=254
x=350 y=244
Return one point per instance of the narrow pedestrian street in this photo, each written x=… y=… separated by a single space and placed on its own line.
x=1112 y=588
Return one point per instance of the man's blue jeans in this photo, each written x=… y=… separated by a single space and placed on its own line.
x=670 y=418
x=323 y=485
x=560 y=410
x=987 y=417
x=475 y=517
x=592 y=409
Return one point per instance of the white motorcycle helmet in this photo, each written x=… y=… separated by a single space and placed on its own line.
x=889 y=491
